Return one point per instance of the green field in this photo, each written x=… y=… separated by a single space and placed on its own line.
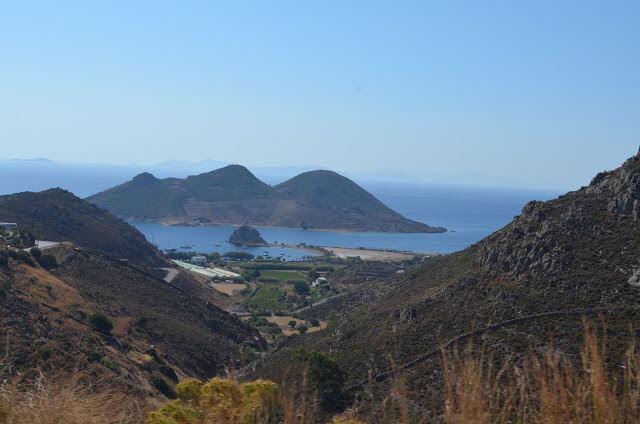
x=283 y=275
x=267 y=298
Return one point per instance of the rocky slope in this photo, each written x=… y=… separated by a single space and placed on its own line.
x=105 y=266
x=44 y=319
x=524 y=287
x=233 y=196
x=58 y=215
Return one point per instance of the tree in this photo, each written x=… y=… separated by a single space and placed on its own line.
x=292 y=323
x=302 y=328
x=48 y=261
x=239 y=256
x=324 y=372
x=36 y=253
x=101 y=322
x=301 y=288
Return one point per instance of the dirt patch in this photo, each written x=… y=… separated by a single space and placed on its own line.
x=227 y=288
x=284 y=323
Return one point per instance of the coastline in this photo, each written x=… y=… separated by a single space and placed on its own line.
x=363 y=253
x=179 y=223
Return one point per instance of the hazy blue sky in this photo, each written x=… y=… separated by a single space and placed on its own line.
x=539 y=93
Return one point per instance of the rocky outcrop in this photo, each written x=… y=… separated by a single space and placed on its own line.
x=544 y=238
x=246 y=235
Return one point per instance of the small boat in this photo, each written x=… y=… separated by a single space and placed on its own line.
x=171 y=249
x=186 y=244
x=218 y=244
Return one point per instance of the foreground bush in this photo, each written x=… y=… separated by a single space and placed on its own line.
x=219 y=401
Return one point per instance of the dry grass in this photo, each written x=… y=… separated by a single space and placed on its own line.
x=539 y=388
x=543 y=388
x=70 y=401
x=76 y=398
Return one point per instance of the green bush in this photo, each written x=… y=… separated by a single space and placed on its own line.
x=324 y=372
x=301 y=288
x=314 y=323
x=162 y=386
x=238 y=256
x=168 y=372
x=101 y=322
x=154 y=354
x=48 y=261
x=302 y=328
x=22 y=256
x=93 y=356
x=2 y=292
x=36 y=253
x=292 y=323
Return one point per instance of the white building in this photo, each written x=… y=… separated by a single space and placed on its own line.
x=199 y=260
x=319 y=281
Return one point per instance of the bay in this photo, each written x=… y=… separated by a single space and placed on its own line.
x=470 y=213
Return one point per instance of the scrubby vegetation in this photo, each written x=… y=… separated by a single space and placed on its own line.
x=101 y=322
x=543 y=387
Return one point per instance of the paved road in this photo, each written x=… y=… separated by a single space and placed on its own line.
x=42 y=244
x=171 y=274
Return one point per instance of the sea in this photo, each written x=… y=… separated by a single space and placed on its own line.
x=468 y=213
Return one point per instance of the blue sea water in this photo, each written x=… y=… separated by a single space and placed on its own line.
x=471 y=212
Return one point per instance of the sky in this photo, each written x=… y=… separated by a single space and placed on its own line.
x=539 y=94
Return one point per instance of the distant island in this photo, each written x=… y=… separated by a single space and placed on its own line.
x=247 y=236
x=321 y=200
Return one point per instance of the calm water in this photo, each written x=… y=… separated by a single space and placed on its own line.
x=473 y=213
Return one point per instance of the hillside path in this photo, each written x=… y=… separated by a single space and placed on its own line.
x=171 y=274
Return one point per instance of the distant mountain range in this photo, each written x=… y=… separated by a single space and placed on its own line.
x=232 y=195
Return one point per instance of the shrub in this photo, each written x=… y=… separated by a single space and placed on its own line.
x=36 y=252
x=2 y=292
x=44 y=354
x=324 y=372
x=292 y=323
x=168 y=372
x=101 y=322
x=22 y=256
x=220 y=401
x=301 y=288
x=48 y=261
x=162 y=386
x=302 y=328
x=93 y=356
x=154 y=354
x=238 y=256
x=314 y=323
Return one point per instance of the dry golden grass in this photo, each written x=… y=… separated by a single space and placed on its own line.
x=69 y=400
x=543 y=388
